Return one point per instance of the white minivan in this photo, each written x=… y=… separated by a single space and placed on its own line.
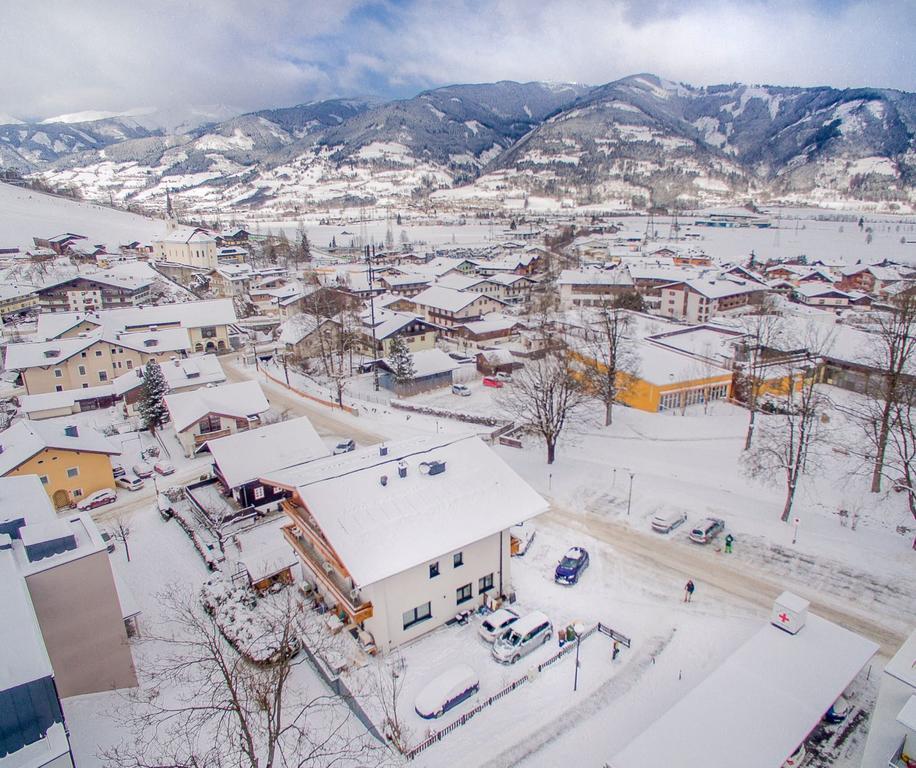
x=522 y=637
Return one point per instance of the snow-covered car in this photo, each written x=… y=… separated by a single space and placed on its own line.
x=344 y=446
x=494 y=624
x=503 y=376
x=142 y=469
x=526 y=634
x=130 y=482
x=571 y=567
x=706 y=530
x=665 y=522
x=838 y=711
x=447 y=691
x=97 y=499
x=796 y=758
x=461 y=389
x=117 y=470
x=164 y=467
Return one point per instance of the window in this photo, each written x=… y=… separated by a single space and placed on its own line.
x=259 y=493
x=98 y=353
x=82 y=370
x=485 y=583
x=434 y=570
x=463 y=594
x=103 y=376
x=208 y=332
x=83 y=355
x=58 y=374
x=130 y=364
x=458 y=559
x=85 y=385
x=58 y=388
x=77 y=492
x=418 y=614
x=44 y=479
x=73 y=472
x=210 y=423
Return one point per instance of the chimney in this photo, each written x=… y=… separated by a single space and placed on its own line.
x=383 y=450
x=402 y=469
x=383 y=480
x=789 y=612
x=71 y=431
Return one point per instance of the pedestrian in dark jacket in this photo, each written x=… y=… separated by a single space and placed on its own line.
x=688 y=591
x=729 y=540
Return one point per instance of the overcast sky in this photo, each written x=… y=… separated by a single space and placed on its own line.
x=63 y=56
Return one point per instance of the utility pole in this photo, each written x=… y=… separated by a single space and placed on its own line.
x=372 y=314
x=630 y=494
x=576 y=678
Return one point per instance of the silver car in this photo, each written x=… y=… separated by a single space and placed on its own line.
x=524 y=636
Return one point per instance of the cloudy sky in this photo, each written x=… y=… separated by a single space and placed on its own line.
x=61 y=56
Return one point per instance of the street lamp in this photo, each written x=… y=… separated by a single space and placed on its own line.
x=576 y=678
x=630 y=494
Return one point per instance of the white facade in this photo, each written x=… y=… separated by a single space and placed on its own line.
x=193 y=249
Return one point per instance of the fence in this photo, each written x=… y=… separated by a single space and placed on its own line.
x=307 y=396
x=442 y=413
x=439 y=735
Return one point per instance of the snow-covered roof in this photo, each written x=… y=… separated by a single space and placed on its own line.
x=492 y=323
x=178 y=373
x=192 y=314
x=395 y=281
x=720 y=287
x=240 y=400
x=24 y=439
x=299 y=326
x=379 y=531
x=903 y=664
x=508 y=279
x=761 y=702
x=30 y=354
x=245 y=456
x=64 y=399
x=429 y=362
x=264 y=552
x=814 y=290
x=24 y=656
x=661 y=366
x=387 y=322
x=460 y=282
x=445 y=298
x=594 y=277
x=129 y=282
x=188 y=236
x=704 y=341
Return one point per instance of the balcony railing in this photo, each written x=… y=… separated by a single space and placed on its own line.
x=201 y=439
x=326 y=573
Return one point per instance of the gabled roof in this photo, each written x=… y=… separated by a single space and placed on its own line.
x=241 y=400
x=719 y=287
x=178 y=373
x=812 y=290
x=446 y=298
x=378 y=531
x=26 y=438
x=427 y=362
x=595 y=277
x=246 y=456
x=301 y=326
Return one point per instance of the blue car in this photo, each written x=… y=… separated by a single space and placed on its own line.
x=574 y=562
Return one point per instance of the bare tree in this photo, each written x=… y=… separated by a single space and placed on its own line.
x=894 y=355
x=612 y=362
x=387 y=689
x=785 y=441
x=543 y=395
x=764 y=332
x=899 y=464
x=202 y=705
x=121 y=532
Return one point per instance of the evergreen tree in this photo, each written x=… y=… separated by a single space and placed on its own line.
x=152 y=397
x=401 y=361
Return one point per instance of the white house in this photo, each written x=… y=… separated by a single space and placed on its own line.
x=400 y=538
x=699 y=299
x=820 y=295
x=448 y=307
x=892 y=728
x=212 y=412
x=190 y=247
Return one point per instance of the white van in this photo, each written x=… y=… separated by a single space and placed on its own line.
x=526 y=634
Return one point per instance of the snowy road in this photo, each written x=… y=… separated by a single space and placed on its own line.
x=750 y=585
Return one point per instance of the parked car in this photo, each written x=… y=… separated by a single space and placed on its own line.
x=838 y=711
x=494 y=624
x=571 y=567
x=502 y=376
x=526 y=634
x=706 y=530
x=461 y=389
x=109 y=544
x=665 y=522
x=164 y=467
x=447 y=691
x=117 y=470
x=345 y=446
x=796 y=758
x=142 y=469
x=97 y=499
x=130 y=482
x=492 y=381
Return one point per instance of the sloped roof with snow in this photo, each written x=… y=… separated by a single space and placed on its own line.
x=428 y=362
x=299 y=326
x=240 y=400
x=26 y=438
x=760 y=703
x=179 y=373
x=246 y=456
x=445 y=298
x=594 y=277
x=381 y=531
x=720 y=287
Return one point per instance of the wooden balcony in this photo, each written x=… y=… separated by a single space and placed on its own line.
x=319 y=558
x=201 y=439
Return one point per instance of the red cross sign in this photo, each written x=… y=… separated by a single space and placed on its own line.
x=783 y=617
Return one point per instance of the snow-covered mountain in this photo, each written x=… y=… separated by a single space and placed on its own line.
x=640 y=140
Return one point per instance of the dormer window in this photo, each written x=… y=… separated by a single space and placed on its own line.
x=150 y=342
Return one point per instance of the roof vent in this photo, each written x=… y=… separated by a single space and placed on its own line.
x=383 y=480
x=154 y=328
x=383 y=450
x=432 y=467
x=402 y=469
x=71 y=431
x=150 y=342
x=52 y=352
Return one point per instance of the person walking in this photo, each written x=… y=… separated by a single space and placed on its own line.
x=729 y=540
x=688 y=591
x=616 y=651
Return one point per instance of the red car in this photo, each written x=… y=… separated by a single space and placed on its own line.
x=490 y=381
x=97 y=499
